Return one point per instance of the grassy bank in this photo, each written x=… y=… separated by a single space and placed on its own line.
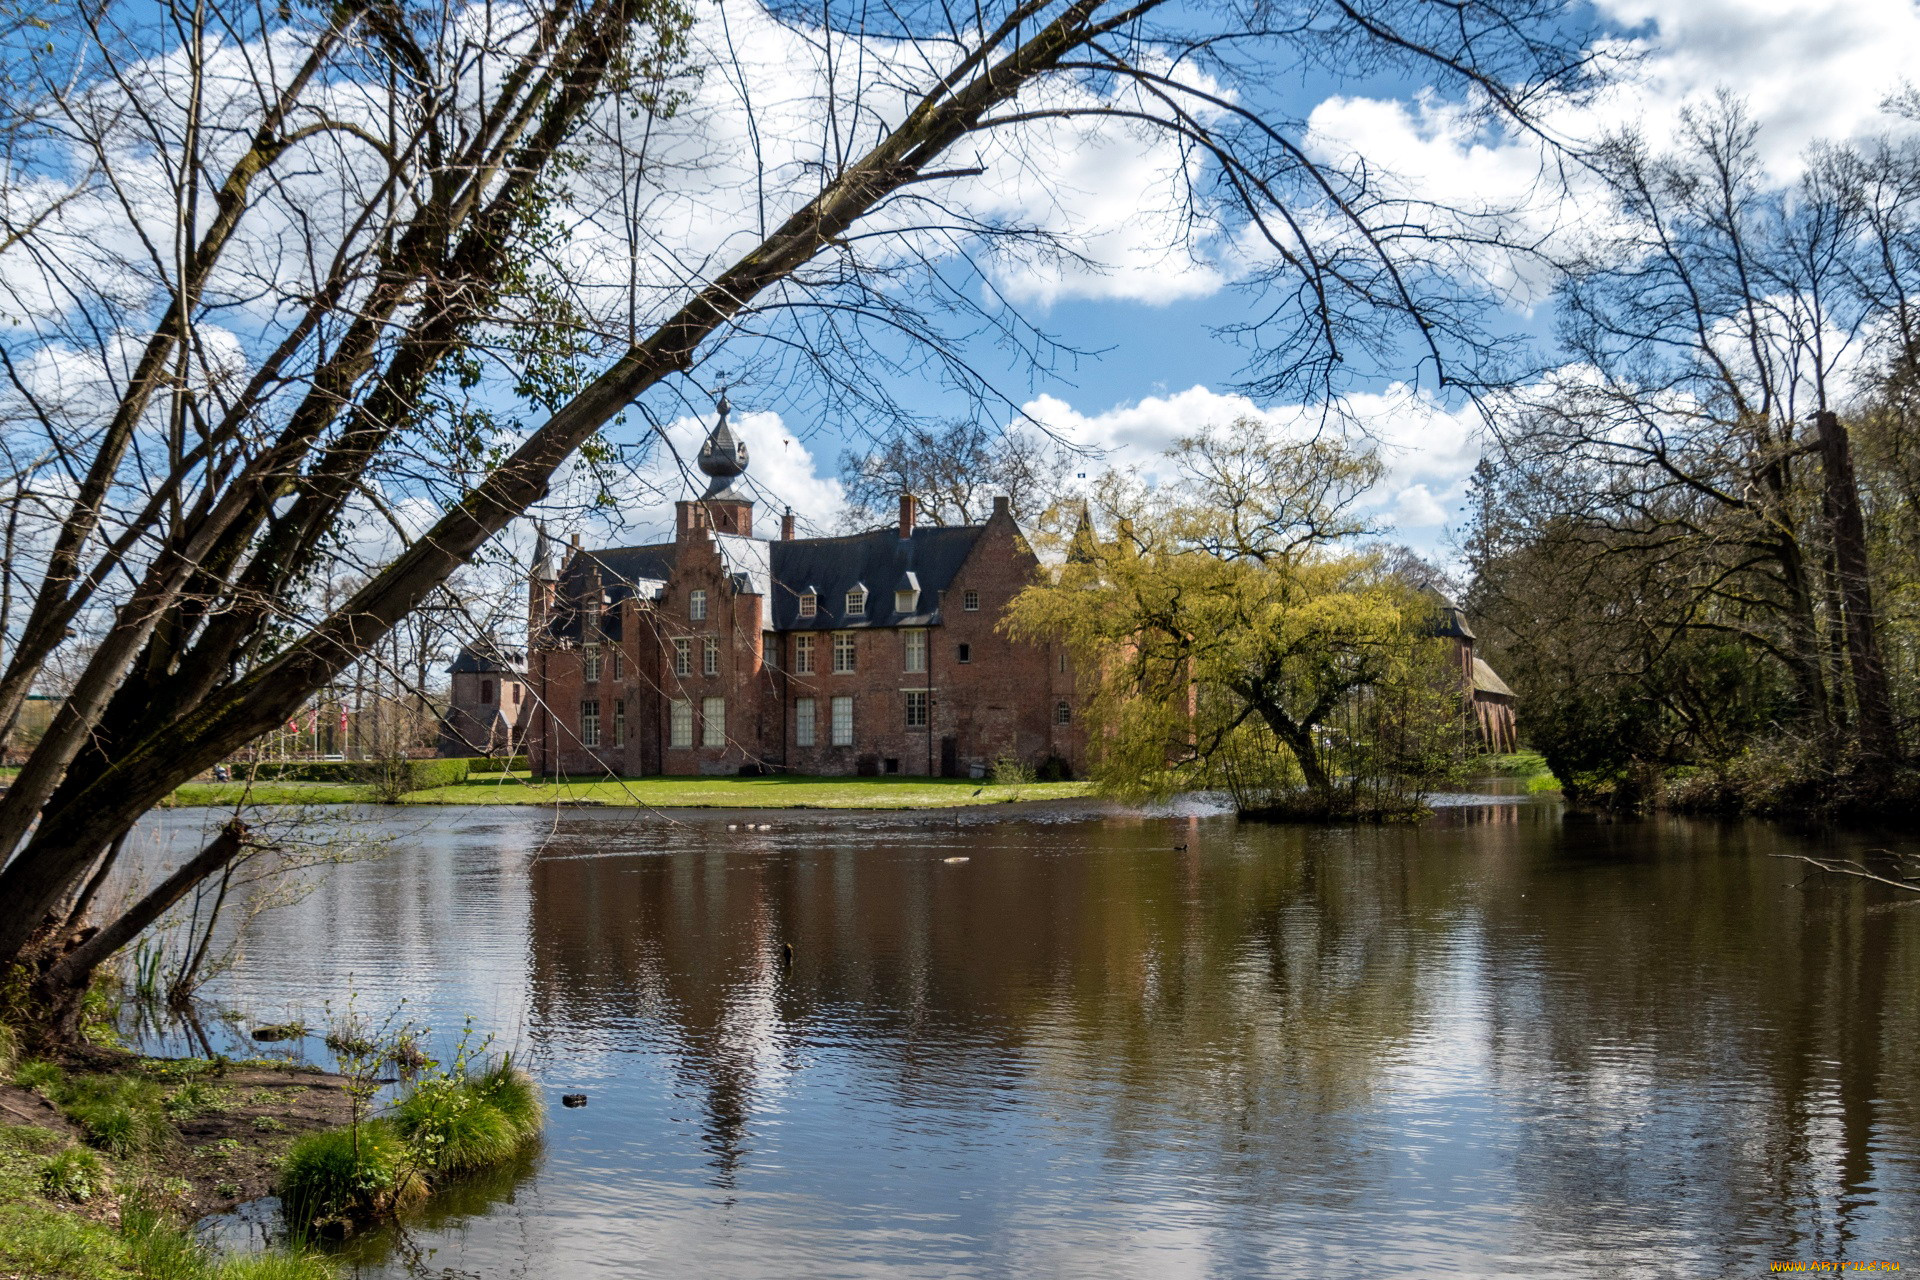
x=780 y=792
x=101 y=1170
x=1528 y=766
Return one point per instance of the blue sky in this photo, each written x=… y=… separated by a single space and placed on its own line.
x=1807 y=69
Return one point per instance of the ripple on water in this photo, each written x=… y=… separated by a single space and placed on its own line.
x=1122 y=1045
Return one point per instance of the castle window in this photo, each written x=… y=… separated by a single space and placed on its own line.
x=1063 y=662
x=916 y=708
x=970 y=601
x=857 y=603
x=713 y=722
x=966 y=653
x=803 y=722
x=682 y=656
x=680 y=723
x=809 y=604
x=842 y=652
x=590 y=662
x=803 y=655
x=916 y=657
x=1062 y=713
x=904 y=601
x=619 y=663
x=697 y=606
x=619 y=722
x=710 y=656
x=843 y=721
x=770 y=650
x=486 y=691
x=590 y=722
x=516 y=695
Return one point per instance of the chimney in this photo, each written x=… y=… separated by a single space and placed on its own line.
x=1001 y=507
x=576 y=542
x=906 y=515
x=786 y=526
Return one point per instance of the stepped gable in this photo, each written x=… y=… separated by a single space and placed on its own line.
x=624 y=572
x=880 y=560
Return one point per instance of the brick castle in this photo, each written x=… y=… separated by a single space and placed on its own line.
x=722 y=652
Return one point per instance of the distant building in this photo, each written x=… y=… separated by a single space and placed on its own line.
x=723 y=652
x=1488 y=699
x=489 y=704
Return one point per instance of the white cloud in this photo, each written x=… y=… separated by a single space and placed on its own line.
x=1429 y=450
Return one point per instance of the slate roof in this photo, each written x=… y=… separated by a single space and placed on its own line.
x=879 y=560
x=486 y=661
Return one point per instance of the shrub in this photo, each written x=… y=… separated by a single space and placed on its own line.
x=74 y=1174
x=1011 y=771
x=514 y=1095
x=498 y=764
x=333 y=1175
x=275 y=1266
x=453 y=1128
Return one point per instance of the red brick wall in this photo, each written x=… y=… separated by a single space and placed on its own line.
x=1001 y=702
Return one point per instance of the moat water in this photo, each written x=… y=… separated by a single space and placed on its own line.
x=1113 y=1045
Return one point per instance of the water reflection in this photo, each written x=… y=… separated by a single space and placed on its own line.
x=1112 y=1045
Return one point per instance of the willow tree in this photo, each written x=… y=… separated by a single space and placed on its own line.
x=270 y=268
x=1227 y=642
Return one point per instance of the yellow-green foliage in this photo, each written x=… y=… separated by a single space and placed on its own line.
x=1223 y=642
x=459 y=1123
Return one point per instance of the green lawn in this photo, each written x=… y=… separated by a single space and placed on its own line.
x=661 y=793
x=749 y=793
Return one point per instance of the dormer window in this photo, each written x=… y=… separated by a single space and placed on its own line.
x=905 y=601
x=857 y=603
x=809 y=604
x=697 y=606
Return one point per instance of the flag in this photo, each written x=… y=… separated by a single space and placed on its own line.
x=313 y=720
x=293 y=725
x=343 y=719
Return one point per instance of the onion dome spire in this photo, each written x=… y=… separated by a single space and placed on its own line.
x=723 y=456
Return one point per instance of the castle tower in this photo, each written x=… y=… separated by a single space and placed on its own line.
x=726 y=506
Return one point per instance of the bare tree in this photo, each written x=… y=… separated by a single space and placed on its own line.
x=955 y=471
x=282 y=269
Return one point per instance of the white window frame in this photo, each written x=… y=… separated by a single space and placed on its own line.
x=917 y=700
x=844 y=648
x=590 y=663
x=589 y=722
x=809 y=604
x=710 y=656
x=842 y=720
x=619 y=663
x=970 y=600
x=1063 y=712
x=914 y=659
x=905 y=601
x=803 y=655
x=857 y=603
x=713 y=722
x=680 y=723
x=682 y=656
x=697 y=605
x=804 y=718
x=619 y=722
